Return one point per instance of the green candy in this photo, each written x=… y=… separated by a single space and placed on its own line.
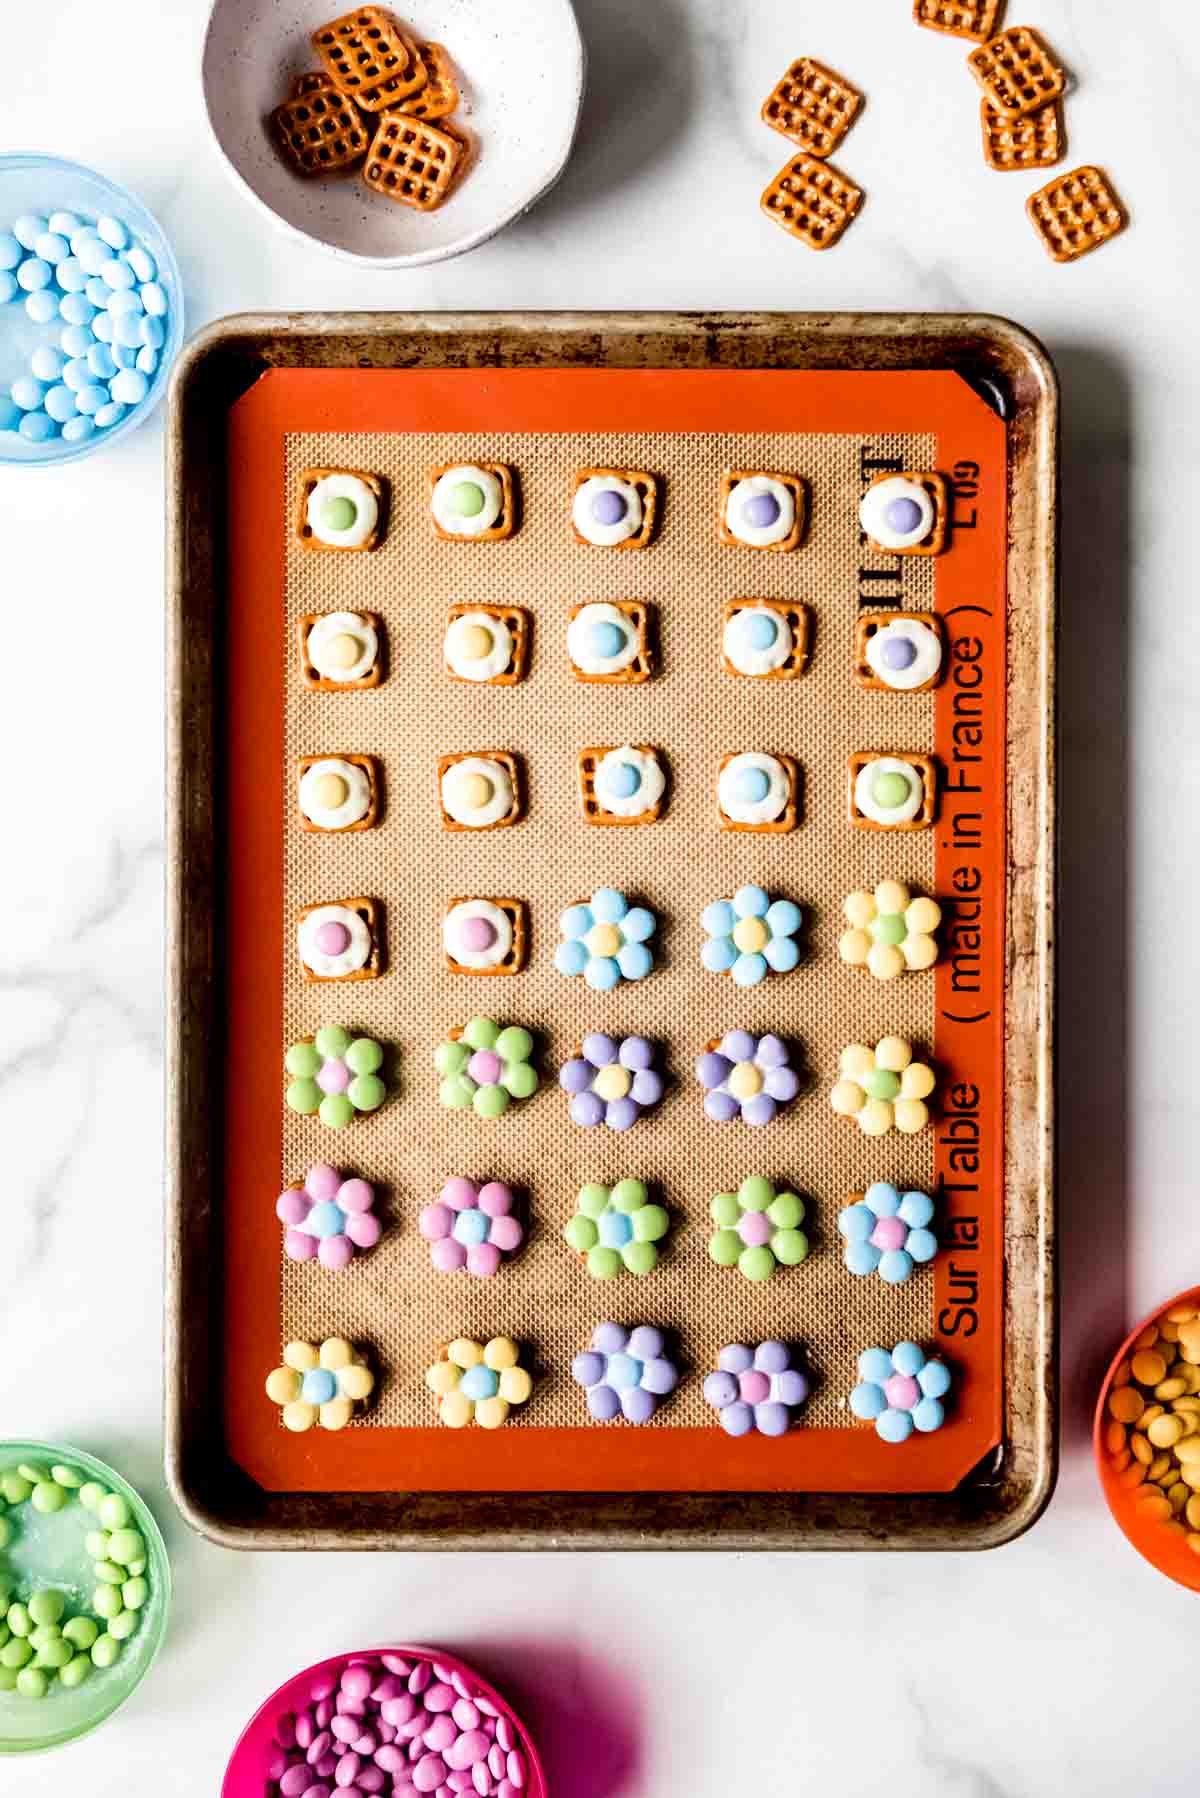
x=581 y=1233
x=303 y=1096
x=75 y=1672
x=514 y=1044
x=48 y=1497
x=451 y=1058
x=725 y=1247
x=755 y=1193
x=364 y=1055
x=19 y=1621
x=481 y=1033
x=114 y=1512
x=725 y=1209
x=126 y=1546
x=43 y=1635
x=785 y=1211
x=628 y=1196
x=304 y=1061
x=106 y=1602
x=880 y=1083
x=789 y=1247
x=520 y=1079
x=109 y=1573
x=122 y=1626
x=81 y=1632
x=593 y=1199
x=136 y=1568
x=457 y=1093
x=332 y=1041
x=16 y=1653
x=465 y=499
x=134 y=1593
x=32 y=1683
x=96 y=1542
x=366 y=1092
x=603 y=1263
x=338 y=514
x=47 y=1607
x=5 y=1634
x=888 y=927
x=70 y=1477
x=90 y=1494
x=640 y=1257
x=105 y=1650
x=890 y=790
x=5 y=1532
x=31 y=1471
x=757 y=1263
x=335 y=1110
x=650 y=1224
x=55 y=1655
x=8 y=1679
x=491 y=1101
x=15 y=1487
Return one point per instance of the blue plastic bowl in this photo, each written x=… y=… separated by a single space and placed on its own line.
x=31 y=182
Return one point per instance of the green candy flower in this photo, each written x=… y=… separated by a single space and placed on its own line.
x=617 y=1228
x=334 y=1076
x=486 y=1068
x=758 y=1229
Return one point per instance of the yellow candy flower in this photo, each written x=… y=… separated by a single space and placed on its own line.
x=320 y=1385
x=478 y=1382
x=890 y=931
x=883 y=1088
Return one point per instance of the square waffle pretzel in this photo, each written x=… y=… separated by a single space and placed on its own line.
x=1035 y=140
x=960 y=18
x=321 y=683
x=1018 y=71
x=812 y=106
x=867 y=626
x=511 y=767
x=308 y=480
x=812 y=201
x=788 y=818
x=1076 y=213
x=593 y=811
x=439 y=96
x=412 y=162
x=647 y=491
x=370 y=768
x=639 y=670
x=938 y=490
x=317 y=129
x=516 y=911
x=799 y=621
x=370 y=911
x=369 y=59
x=923 y=765
x=795 y=487
x=504 y=526
x=520 y=625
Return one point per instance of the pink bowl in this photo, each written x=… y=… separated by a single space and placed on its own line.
x=245 y=1776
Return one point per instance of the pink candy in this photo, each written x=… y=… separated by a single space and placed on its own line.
x=471 y=1226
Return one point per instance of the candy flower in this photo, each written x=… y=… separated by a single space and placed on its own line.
x=617 y=1228
x=889 y=931
x=486 y=1068
x=758 y=1229
x=612 y=1080
x=756 y=1389
x=750 y=936
x=625 y=1372
x=335 y=1075
x=746 y=1076
x=328 y=1218
x=883 y=1088
x=479 y=1383
x=887 y=1233
x=606 y=940
x=471 y=1226
x=320 y=1385
x=900 y=1392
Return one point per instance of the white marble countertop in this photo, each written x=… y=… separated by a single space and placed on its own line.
x=725 y=1675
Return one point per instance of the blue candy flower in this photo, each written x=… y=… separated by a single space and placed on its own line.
x=887 y=1233
x=900 y=1392
x=606 y=940
x=751 y=936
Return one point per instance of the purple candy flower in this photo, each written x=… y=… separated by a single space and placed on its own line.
x=613 y=1081
x=756 y=1389
x=625 y=1372
x=746 y=1076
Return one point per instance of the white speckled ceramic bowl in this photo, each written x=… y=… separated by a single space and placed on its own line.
x=520 y=68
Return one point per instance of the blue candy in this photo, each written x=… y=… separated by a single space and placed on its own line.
x=470 y=1228
x=111 y=414
x=71 y=275
x=127 y=330
x=34 y=274
x=124 y=354
x=635 y=961
x=60 y=404
x=100 y=362
x=147 y=360
x=124 y=301
x=77 y=309
x=8 y=287
x=102 y=327
x=152 y=332
x=91 y=396
x=154 y=299
x=28 y=229
x=608 y=905
x=78 y=429
x=896 y=1426
x=47 y=364
x=571 y=957
x=76 y=340
x=76 y=373
x=27 y=393
x=51 y=247
x=601 y=973
x=141 y=262
x=117 y=274
x=10 y=250
x=42 y=307
x=98 y=292
x=64 y=223
x=615 y=1229
x=318 y=1386
x=10 y=415
x=35 y=427
x=112 y=231
x=479 y=1382
x=91 y=252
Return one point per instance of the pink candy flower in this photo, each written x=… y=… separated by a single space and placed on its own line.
x=328 y=1218
x=471 y=1226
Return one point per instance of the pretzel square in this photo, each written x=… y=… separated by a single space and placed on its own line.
x=1035 y=140
x=370 y=912
x=795 y=487
x=593 y=810
x=799 y=620
x=369 y=58
x=788 y=818
x=308 y=480
x=321 y=683
x=871 y=622
x=370 y=768
x=318 y=130
x=923 y=765
x=937 y=488
x=639 y=670
x=520 y=625
x=647 y=492
x=439 y=96
x=959 y=18
x=511 y=767
x=1018 y=71
x=810 y=199
x=504 y=526
x=812 y=106
x=516 y=911
x=412 y=162
x=1076 y=213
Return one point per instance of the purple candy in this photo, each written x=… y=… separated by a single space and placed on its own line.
x=739 y=1045
x=760 y=510
x=720 y=1388
x=603 y=1403
x=645 y=1342
x=771 y=1357
x=902 y=516
x=637 y=1052
x=712 y=1069
x=771 y=1052
x=659 y=1377
x=608 y=507
x=575 y=1076
x=736 y=1419
x=722 y=1108
x=782 y=1084
x=588 y=1368
x=759 y=1110
x=771 y=1418
x=647 y=1087
x=599 y=1049
x=587 y=1109
x=791 y=1386
x=636 y=1403
x=735 y=1359
x=897 y=652
x=621 y=1114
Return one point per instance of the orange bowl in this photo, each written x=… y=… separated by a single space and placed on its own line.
x=1164 y=1547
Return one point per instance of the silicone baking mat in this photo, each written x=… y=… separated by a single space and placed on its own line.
x=837 y=431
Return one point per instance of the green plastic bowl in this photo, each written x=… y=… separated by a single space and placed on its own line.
x=49 y=1551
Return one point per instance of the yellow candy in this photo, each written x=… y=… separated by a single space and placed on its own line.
x=614 y=1081
x=875 y=1118
x=856 y=1059
x=893 y=1053
x=1170 y=1388
x=917 y=1081
x=1162 y=1469
x=455 y=1410
x=885 y=961
x=1181 y=1314
x=604 y=939
x=890 y=896
x=515 y=1385
x=300 y=1355
x=1148 y=1416
x=341 y=651
x=1190 y=1474
x=859 y=909
x=1165 y=1431
x=330 y=791
x=1193 y=1508
x=1179 y=1494
x=1141 y=1449
x=299 y=1416
x=854 y=947
x=750 y=935
x=336 y=1353
x=476 y=790
x=1126 y=1404
x=283 y=1386
x=464 y=1353
x=474 y=643
x=745 y=1081
x=442 y=1377
x=1168 y=1331
x=1187 y=1453
x=1149 y=1367
x=1185 y=1405
x=923 y=917
x=356 y=1382
x=911 y=1115
x=490 y=1413
x=1147 y=1337
x=847 y=1097
x=920 y=951
x=500 y=1352
x=336 y=1413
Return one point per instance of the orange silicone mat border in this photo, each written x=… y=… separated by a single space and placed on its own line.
x=970 y=596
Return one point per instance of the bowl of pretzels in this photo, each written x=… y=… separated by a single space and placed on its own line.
x=392 y=140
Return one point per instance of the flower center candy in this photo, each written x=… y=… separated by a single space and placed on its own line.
x=604 y=939
x=330 y=791
x=761 y=510
x=466 y=499
x=753 y=1386
x=753 y=785
x=607 y=640
x=325 y=1219
x=623 y=780
x=479 y=1382
x=623 y=1371
x=750 y=935
x=339 y=514
x=898 y=652
x=902 y=516
x=341 y=651
x=475 y=643
x=334 y=1076
x=888 y=927
x=889 y=1233
x=754 y=1228
x=476 y=791
x=614 y=1230
x=890 y=790
x=318 y=1386
x=477 y=934
x=485 y=1067
x=902 y=1392
x=612 y=1082
x=757 y=630
x=745 y=1080
x=609 y=507
x=332 y=939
